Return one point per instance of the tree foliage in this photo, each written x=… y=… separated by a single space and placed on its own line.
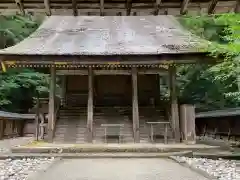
x=14 y=29
x=19 y=86
x=213 y=86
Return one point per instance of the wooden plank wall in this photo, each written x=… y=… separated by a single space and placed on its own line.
x=11 y=128
x=187 y=123
x=216 y=125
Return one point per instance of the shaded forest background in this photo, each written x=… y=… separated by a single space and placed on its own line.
x=207 y=86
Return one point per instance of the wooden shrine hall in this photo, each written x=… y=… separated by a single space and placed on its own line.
x=112 y=72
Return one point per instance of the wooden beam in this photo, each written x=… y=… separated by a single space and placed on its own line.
x=90 y=106
x=101 y=7
x=47 y=7
x=63 y=73
x=174 y=103
x=212 y=6
x=184 y=7
x=135 y=112
x=51 y=106
x=111 y=59
x=20 y=6
x=157 y=7
x=129 y=7
x=74 y=7
x=237 y=7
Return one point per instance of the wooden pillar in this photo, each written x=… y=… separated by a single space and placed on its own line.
x=51 y=106
x=129 y=7
x=174 y=103
x=63 y=90
x=74 y=7
x=184 y=7
x=237 y=7
x=187 y=123
x=135 y=113
x=47 y=7
x=37 y=118
x=101 y=7
x=212 y=6
x=157 y=7
x=20 y=6
x=90 y=106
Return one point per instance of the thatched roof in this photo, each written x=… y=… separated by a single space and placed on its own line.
x=109 y=35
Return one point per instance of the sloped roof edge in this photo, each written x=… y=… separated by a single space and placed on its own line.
x=108 y=35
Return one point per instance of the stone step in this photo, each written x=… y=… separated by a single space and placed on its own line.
x=66 y=126
x=72 y=123
x=69 y=117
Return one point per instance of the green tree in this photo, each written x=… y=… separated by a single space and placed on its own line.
x=14 y=29
x=19 y=86
x=215 y=86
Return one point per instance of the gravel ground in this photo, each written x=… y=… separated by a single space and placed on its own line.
x=119 y=169
x=220 y=169
x=6 y=144
x=21 y=169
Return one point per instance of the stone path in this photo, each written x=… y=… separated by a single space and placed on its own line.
x=6 y=144
x=220 y=169
x=22 y=169
x=119 y=169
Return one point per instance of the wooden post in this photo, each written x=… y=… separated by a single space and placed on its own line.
x=47 y=7
x=157 y=7
x=187 y=123
x=74 y=7
x=237 y=7
x=165 y=133
x=51 y=107
x=37 y=118
x=101 y=7
x=184 y=7
x=135 y=113
x=20 y=6
x=90 y=106
x=129 y=7
x=174 y=103
x=212 y=6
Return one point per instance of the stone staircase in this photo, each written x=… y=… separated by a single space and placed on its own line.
x=72 y=122
x=112 y=115
x=71 y=125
